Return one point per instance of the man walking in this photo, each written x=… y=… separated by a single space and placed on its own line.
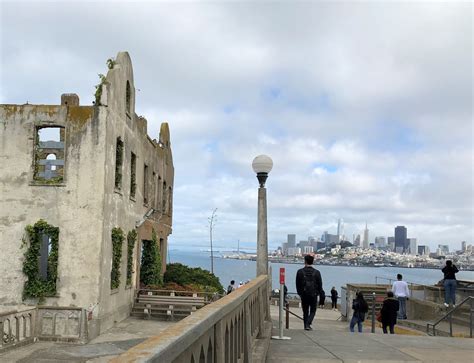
x=400 y=290
x=308 y=286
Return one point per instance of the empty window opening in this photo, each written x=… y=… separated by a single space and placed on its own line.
x=128 y=96
x=170 y=200
x=118 y=163
x=163 y=198
x=133 y=175
x=49 y=155
x=145 y=184
x=158 y=191
x=45 y=251
x=153 y=190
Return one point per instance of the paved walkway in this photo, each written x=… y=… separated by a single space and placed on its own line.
x=330 y=341
x=115 y=341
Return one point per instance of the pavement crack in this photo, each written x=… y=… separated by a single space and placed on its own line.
x=323 y=347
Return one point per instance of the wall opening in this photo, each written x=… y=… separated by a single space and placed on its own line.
x=145 y=184
x=163 y=198
x=49 y=155
x=128 y=98
x=118 y=163
x=133 y=175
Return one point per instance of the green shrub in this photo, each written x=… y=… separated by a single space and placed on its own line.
x=194 y=278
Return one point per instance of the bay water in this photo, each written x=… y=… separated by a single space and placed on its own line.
x=242 y=270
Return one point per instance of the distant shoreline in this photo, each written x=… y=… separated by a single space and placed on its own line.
x=289 y=262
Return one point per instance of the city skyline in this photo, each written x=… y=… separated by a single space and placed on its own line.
x=364 y=120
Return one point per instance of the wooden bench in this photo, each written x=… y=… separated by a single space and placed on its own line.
x=151 y=305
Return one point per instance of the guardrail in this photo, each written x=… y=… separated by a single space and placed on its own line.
x=17 y=327
x=223 y=331
x=449 y=316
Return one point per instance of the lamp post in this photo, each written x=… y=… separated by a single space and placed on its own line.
x=262 y=165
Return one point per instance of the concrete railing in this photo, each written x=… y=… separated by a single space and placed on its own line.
x=17 y=327
x=53 y=323
x=224 y=331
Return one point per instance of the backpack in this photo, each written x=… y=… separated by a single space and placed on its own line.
x=309 y=280
x=230 y=289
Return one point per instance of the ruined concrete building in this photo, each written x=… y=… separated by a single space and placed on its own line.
x=75 y=183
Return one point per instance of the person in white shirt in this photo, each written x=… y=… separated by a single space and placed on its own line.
x=400 y=290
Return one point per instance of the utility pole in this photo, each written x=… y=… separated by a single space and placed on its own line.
x=212 y=222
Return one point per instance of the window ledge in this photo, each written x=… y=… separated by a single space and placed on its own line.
x=133 y=199
x=128 y=287
x=39 y=184
x=118 y=191
x=114 y=291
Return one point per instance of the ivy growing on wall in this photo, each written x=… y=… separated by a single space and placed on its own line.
x=150 y=270
x=35 y=286
x=131 y=238
x=117 y=241
x=98 y=89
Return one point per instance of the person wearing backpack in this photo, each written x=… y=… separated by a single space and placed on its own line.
x=231 y=287
x=308 y=286
x=360 y=307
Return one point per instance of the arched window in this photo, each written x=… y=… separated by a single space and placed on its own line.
x=128 y=96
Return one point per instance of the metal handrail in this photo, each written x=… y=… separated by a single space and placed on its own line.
x=449 y=317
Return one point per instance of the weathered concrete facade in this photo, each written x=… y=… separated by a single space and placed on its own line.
x=77 y=191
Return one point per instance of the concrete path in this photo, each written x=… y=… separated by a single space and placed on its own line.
x=113 y=342
x=330 y=341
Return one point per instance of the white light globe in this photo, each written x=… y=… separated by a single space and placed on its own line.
x=262 y=164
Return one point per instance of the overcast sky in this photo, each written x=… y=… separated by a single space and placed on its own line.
x=365 y=108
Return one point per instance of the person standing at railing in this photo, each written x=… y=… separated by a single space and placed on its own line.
x=334 y=295
x=400 y=290
x=308 y=285
x=450 y=283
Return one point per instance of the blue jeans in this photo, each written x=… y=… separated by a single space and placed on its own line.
x=402 y=307
x=450 y=291
x=355 y=320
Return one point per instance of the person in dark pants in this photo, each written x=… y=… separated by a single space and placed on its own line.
x=322 y=299
x=360 y=307
x=389 y=313
x=334 y=295
x=450 y=283
x=308 y=286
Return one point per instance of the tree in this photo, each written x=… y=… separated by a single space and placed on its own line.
x=150 y=271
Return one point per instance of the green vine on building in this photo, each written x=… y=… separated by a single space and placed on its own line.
x=36 y=286
x=117 y=241
x=150 y=271
x=131 y=239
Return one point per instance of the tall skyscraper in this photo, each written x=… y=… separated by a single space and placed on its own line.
x=423 y=250
x=413 y=250
x=365 y=243
x=391 y=243
x=357 y=241
x=380 y=242
x=291 y=240
x=463 y=246
x=401 y=239
x=340 y=229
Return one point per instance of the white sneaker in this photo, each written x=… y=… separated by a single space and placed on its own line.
x=447 y=305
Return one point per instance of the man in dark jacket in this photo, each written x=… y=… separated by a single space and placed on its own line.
x=389 y=313
x=450 y=283
x=308 y=286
